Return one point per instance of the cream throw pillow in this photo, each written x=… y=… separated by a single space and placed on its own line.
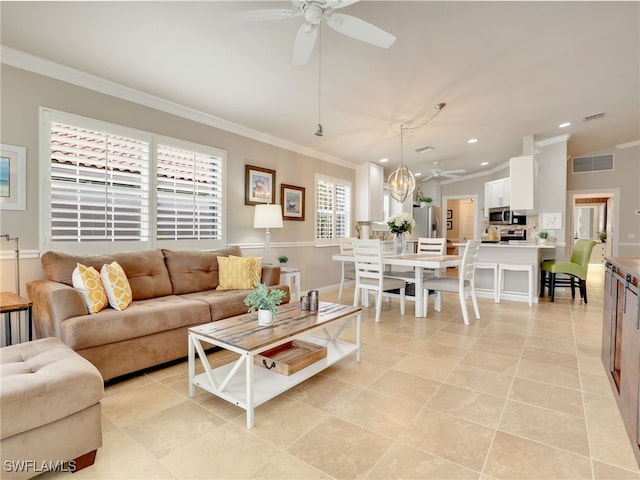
x=235 y=273
x=116 y=284
x=87 y=281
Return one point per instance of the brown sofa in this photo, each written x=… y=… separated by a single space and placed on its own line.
x=172 y=291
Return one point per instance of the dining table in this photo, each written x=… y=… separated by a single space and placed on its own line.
x=418 y=262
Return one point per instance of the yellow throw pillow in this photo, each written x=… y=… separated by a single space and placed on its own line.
x=116 y=284
x=87 y=281
x=256 y=269
x=234 y=273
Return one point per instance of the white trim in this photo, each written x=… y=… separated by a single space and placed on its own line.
x=622 y=146
x=31 y=63
x=272 y=244
x=24 y=254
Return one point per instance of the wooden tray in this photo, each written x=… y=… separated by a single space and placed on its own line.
x=290 y=357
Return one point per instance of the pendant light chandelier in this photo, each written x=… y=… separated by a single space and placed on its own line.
x=401 y=182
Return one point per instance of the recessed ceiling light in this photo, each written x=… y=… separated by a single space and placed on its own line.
x=417 y=174
x=484 y=163
x=428 y=148
x=384 y=160
x=472 y=140
x=564 y=125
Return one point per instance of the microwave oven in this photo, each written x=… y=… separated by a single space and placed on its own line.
x=505 y=216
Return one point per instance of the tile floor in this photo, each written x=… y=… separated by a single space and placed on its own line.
x=519 y=394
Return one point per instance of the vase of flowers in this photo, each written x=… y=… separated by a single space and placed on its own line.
x=399 y=225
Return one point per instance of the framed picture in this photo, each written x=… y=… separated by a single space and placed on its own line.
x=449 y=214
x=259 y=185
x=449 y=224
x=292 y=199
x=13 y=177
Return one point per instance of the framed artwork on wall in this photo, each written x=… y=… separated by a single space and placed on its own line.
x=449 y=214
x=13 y=177
x=292 y=199
x=259 y=185
x=449 y=224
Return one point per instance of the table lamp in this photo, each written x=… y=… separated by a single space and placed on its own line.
x=267 y=216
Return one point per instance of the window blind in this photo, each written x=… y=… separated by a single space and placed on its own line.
x=189 y=194
x=333 y=209
x=99 y=185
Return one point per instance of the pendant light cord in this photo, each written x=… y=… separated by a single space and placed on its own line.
x=319 y=69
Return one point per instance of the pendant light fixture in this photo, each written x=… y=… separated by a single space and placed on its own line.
x=319 y=131
x=401 y=182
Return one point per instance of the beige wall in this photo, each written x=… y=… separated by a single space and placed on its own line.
x=626 y=177
x=23 y=93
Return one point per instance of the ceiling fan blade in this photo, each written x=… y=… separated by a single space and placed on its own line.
x=340 y=3
x=448 y=175
x=260 y=15
x=428 y=177
x=305 y=41
x=454 y=171
x=360 y=30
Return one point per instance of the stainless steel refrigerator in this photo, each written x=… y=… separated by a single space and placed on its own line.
x=427 y=222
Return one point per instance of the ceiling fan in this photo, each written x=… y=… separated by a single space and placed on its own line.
x=436 y=172
x=314 y=11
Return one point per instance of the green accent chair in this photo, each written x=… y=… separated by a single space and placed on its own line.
x=571 y=270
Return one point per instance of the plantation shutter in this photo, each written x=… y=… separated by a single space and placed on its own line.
x=189 y=194
x=98 y=185
x=333 y=210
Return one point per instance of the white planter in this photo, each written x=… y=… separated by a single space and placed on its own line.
x=265 y=317
x=542 y=241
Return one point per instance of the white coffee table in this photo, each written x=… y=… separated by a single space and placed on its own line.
x=253 y=385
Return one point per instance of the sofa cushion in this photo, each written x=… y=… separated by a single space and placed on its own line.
x=146 y=271
x=43 y=381
x=255 y=266
x=222 y=303
x=142 y=317
x=116 y=285
x=195 y=271
x=235 y=273
x=87 y=281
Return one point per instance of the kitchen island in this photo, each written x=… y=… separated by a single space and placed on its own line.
x=513 y=253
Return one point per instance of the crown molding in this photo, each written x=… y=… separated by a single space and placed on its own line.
x=622 y=146
x=41 y=66
x=550 y=141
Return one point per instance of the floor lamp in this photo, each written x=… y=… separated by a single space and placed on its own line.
x=9 y=239
x=267 y=216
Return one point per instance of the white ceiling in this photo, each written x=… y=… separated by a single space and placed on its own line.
x=506 y=70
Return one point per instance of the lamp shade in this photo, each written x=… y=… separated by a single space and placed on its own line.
x=267 y=216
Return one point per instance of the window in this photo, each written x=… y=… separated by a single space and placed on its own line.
x=125 y=188
x=333 y=210
x=189 y=198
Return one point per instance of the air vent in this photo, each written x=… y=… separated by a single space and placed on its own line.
x=428 y=148
x=596 y=116
x=596 y=163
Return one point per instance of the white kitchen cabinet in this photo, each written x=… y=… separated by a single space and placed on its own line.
x=496 y=194
x=523 y=176
x=369 y=193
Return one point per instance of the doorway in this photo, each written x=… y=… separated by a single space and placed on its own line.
x=593 y=214
x=460 y=218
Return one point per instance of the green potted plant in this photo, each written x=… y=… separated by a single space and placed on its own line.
x=603 y=236
x=543 y=236
x=424 y=200
x=265 y=301
x=283 y=259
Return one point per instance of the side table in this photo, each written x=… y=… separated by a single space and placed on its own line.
x=9 y=303
x=291 y=277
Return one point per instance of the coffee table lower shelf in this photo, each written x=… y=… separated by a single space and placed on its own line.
x=268 y=384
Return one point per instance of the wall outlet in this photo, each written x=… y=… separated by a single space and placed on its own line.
x=552 y=221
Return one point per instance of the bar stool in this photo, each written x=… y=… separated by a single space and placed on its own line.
x=516 y=268
x=494 y=267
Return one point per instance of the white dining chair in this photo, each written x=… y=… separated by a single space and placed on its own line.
x=348 y=271
x=370 y=275
x=462 y=284
x=426 y=246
